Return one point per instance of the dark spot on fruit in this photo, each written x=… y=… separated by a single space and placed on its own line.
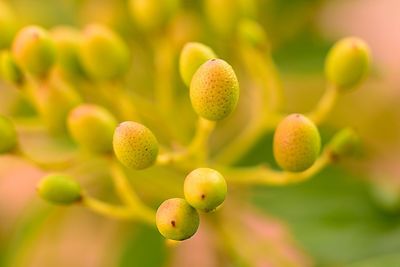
x=203 y=196
x=173 y=223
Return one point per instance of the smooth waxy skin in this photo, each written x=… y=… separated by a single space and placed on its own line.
x=205 y=189
x=135 y=145
x=347 y=63
x=103 y=54
x=176 y=219
x=92 y=127
x=214 y=90
x=297 y=143
x=8 y=135
x=59 y=189
x=193 y=55
x=34 y=50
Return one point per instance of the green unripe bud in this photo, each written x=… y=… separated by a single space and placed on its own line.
x=344 y=143
x=297 y=143
x=347 y=63
x=8 y=135
x=176 y=219
x=135 y=145
x=34 y=50
x=8 y=24
x=214 y=90
x=193 y=55
x=251 y=33
x=59 y=189
x=103 y=54
x=205 y=189
x=10 y=71
x=92 y=127
x=67 y=41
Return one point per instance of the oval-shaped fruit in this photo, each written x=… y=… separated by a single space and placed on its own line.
x=297 y=143
x=92 y=127
x=205 y=189
x=193 y=55
x=214 y=90
x=59 y=189
x=103 y=54
x=135 y=145
x=347 y=63
x=34 y=50
x=8 y=135
x=176 y=219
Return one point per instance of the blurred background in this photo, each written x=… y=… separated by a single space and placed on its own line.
x=349 y=215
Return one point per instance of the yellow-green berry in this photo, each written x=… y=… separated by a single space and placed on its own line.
x=176 y=219
x=9 y=69
x=347 y=63
x=135 y=145
x=205 y=189
x=8 y=135
x=103 y=54
x=92 y=127
x=59 y=189
x=344 y=143
x=193 y=55
x=214 y=90
x=34 y=50
x=297 y=143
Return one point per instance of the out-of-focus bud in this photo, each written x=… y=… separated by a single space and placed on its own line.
x=252 y=33
x=8 y=135
x=8 y=25
x=59 y=189
x=9 y=69
x=345 y=143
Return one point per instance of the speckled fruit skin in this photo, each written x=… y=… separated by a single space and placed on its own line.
x=214 y=90
x=8 y=135
x=92 y=127
x=347 y=63
x=34 y=50
x=103 y=54
x=59 y=189
x=205 y=189
x=193 y=55
x=135 y=145
x=176 y=219
x=297 y=143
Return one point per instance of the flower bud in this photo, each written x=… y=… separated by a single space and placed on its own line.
x=193 y=55
x=34 y=50
x=251 y=33
x=8 y=24
x=92 y=127
x=176 y=219
x=9 y=69
x=297 y=143
x=205 y=189
x=59 y=189
x=135 y=145
x=347 y=63
x=344 y=143
x=8 y=135
x=214 y=90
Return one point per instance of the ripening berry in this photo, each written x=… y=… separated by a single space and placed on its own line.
x=8 y=135
x=59 y=189
x=296 y=143
x=193 y=55
x=214 y=90
x=344 y=143
x=205 y=189
x=9 y=69
x=347 y=63
x=135 y=145
x=103 y=54
x=92 y=127
x=34 y=50
x=176 y=219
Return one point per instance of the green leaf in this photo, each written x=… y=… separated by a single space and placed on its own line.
x=385 y=260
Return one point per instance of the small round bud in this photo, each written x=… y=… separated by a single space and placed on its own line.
x=92 y=127
x=252 y=33
x=297 y=143
x=59 y=189
x=193 y=55
x=347 y=63
x=176 y=219
x=205 y=189
x=9 y=69
x=135 y=145
x=103 y=54
x=34 y=50
x=8 y=135
x=344 y=143
x=214 y=90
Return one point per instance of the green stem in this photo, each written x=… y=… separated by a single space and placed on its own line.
x=199 y=145
x=325 y=105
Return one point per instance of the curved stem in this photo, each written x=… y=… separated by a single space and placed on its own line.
x=199 y=145
x=324 y=106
